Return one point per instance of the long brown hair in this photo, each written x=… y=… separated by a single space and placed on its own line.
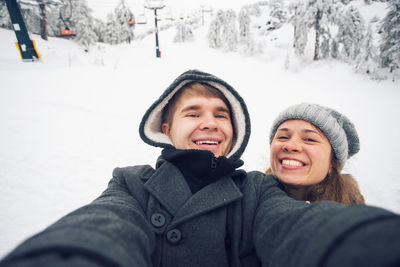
x=336 y=186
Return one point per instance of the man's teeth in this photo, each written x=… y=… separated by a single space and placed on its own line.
x=290 y=162
x=207 y=142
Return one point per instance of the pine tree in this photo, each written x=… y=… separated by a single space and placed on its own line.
x=5 y=21
x=215 y=28
x=367 y=60
x=112 y=33
x=300 y=29
x=229 y=31
x=350 y=33
x=184 y=32
x=325 y=47
x=123 y=14
x=278 y=11
x=85 y=34
x=335 y=49
x=245 y=36
x=319 y=15
x=32 y=18
x=390 y=42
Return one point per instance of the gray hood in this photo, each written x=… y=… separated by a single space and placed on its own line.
x=150 y=126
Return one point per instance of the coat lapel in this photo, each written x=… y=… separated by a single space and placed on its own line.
x=169 y=187
x=215 y=195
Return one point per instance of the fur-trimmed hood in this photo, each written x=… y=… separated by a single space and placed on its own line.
x=150 y=126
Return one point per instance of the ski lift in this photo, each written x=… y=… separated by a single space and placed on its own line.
x=66 y=33
x=66 y=19
x=141 y=19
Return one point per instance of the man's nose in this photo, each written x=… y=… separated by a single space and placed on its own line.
x=209 y=122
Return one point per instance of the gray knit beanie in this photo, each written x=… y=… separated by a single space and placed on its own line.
x=339 y=130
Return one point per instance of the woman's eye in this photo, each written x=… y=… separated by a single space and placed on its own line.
x=282 y=137
x=310 y=140
x=192 y=115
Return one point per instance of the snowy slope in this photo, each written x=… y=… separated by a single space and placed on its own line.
x=66 y=122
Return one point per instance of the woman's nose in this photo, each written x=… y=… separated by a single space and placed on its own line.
x=292 y=146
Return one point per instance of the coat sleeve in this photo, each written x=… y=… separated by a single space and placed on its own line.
x=293 y=233
x=111 y=231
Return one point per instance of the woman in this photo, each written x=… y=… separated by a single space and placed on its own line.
x=309 y=146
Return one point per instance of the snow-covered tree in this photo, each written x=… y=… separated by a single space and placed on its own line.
x=325 y=47
x=32 y=18
x=99 y=27
x=319 y=15
x=335 y=49
x=229 y=31
x=367 y=59
x=351 y=32
x=215 y=29
x=390 y=42
x=123 y=14
x=113 y=30
x=184 y=32
x=5 y=21
x=245 y=37
x=300 y=28
x=278 y=11
x=83 y=20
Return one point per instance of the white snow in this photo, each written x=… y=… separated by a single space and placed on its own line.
x=66 y=122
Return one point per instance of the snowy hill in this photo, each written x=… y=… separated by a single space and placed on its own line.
x=67 y=121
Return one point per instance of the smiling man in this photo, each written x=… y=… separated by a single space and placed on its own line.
x=199 y=117
x=196 y=208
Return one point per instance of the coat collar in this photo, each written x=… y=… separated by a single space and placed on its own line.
x=169 y=187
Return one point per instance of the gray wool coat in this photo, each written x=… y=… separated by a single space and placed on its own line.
x=149 y=217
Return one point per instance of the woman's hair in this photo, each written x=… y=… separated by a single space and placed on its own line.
x=336 y=186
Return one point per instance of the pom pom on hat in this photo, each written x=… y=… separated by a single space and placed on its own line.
x=339 y=130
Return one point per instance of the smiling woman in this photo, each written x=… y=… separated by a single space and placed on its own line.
x=309 y=146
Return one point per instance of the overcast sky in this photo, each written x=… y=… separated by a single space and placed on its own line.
x=102 y=7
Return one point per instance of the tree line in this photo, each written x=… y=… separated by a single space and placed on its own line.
x=338 y=28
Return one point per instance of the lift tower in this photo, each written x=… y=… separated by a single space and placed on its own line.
x=25 y=45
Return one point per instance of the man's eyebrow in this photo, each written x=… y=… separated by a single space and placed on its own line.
x=223 y=109
x=191 y=107
x=197 y=107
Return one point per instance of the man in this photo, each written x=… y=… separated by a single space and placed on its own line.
x=197 y=209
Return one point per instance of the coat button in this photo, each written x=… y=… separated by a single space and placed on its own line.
x=174 y=236
x=157 y=220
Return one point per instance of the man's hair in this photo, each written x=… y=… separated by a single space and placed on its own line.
x=195 y=89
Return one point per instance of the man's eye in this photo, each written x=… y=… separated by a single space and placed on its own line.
x=221 y=116
x=192 y=115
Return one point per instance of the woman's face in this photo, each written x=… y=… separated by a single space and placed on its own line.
x=300 y=153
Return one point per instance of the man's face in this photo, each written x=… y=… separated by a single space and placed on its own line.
x=200 y=122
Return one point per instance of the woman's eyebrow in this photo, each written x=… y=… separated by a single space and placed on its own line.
x=283 y=129
x=312 y=131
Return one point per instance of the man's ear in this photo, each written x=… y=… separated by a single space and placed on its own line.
x=165 y=128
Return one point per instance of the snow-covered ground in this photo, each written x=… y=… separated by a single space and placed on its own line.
x=66 y=122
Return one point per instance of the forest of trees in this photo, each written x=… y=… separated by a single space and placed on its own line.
x=339 y=31
x=75 y=15
x=334 y=28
